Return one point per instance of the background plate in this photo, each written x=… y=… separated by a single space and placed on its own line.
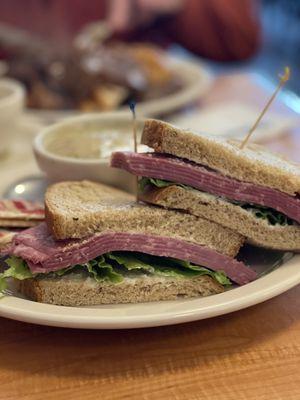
x=196 y=78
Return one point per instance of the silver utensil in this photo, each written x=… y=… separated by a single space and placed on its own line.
x=32 y=188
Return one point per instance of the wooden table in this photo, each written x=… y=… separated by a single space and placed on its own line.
x=252 y=354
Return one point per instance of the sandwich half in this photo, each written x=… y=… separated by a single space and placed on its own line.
x=98 y=246
x=251 y=191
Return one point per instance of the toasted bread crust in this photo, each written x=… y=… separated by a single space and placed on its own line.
x=251 y=164
x=257 y=231
x=67 y=202
x=74 y=292
x=79 y=209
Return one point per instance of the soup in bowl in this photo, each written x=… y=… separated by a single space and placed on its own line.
x=80 y=148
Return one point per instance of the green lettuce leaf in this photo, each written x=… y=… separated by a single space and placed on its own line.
x=130 y=261
x=101 y=270
x=269 y=214
x=144 y=182
x=98 y=269
x=63 y=271
x=113 y=267
x=18 y=269
x=3 y=287
x=146 y=264
x=163 y=266
x=220 y=276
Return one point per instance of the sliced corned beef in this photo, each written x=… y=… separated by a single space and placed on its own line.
x=43 y=254
x=161 y=166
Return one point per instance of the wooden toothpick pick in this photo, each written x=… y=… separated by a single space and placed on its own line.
x=283 y=79
x=134 y=132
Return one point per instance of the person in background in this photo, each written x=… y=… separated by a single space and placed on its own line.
x=218 y=29
x=222 y=30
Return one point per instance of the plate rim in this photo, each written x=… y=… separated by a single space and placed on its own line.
x=17 y=308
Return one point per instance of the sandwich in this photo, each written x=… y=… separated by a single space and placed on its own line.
x=251 y=190
x=98 y=246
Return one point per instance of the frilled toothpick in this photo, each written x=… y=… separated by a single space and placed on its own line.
x=283 y=79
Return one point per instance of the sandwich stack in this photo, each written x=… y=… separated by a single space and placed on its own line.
x=98 y=246
x=251 y=191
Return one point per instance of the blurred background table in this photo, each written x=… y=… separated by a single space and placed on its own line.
x=251 y=354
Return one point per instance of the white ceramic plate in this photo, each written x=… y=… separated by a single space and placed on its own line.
x=197 y=80
x=158 y=313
